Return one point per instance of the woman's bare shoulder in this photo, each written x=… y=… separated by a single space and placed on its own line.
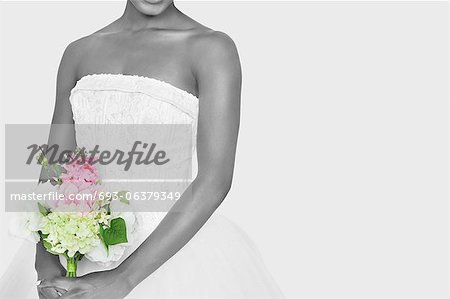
x=85 y=43
x=213 y=47
x=76 y=50
x=212 y=40
x=206 y=40
x=91 y=40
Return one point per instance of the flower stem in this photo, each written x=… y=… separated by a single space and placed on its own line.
x=71 y=267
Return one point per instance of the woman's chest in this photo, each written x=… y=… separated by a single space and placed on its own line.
x=165 y=59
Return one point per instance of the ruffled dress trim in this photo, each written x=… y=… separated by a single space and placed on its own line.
x=154 y=88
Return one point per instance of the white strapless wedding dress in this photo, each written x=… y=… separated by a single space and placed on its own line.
x=220 y=261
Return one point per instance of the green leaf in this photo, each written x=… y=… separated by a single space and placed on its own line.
x=47 y=244
x=122 y=196
x=78 y=256
x=43 y=210
x=55 y=181
x=102 y=231
x=40 y=158
x=58 y=170
x=48 y=247
x=116 y=233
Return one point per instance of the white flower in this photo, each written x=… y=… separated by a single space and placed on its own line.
x=26 y=225
x=104 y=257
x=103 y=218
x=100 y=256
x=73 y=232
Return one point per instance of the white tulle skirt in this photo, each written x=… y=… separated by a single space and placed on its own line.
x=219 y=262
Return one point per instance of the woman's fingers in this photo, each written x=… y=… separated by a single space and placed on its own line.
x=59 y=283
x=50 y=293
x=75 y=295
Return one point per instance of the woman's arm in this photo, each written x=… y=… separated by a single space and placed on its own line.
x=62 y=134
x=218 y=73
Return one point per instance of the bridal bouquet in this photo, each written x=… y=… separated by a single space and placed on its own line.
x=82 y=221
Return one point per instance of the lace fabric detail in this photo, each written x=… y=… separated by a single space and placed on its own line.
x=153 y=88
x=114 y=99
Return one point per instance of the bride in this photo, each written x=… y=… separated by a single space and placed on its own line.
x=177 y=71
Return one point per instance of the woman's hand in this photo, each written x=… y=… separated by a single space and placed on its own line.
x=105 y=284
x=47 y=274
x=48 y=267
x=50 y=292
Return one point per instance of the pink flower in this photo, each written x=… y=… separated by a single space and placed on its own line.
x=78 y=197
x=80 y=172
x=79 y=186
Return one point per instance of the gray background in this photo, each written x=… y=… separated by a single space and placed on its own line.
x=341 y=175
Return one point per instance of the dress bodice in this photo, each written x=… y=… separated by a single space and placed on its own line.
x=101 y=100
x=114 y=111
x=129 y=99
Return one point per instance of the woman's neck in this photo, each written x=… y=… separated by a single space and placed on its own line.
x=132 y=19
